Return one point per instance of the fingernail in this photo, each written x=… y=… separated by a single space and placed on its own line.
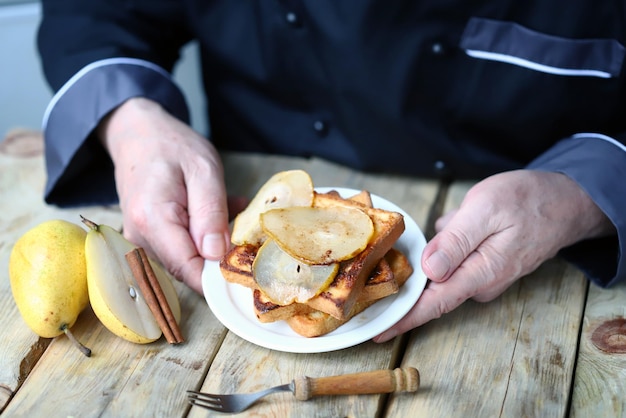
x=213 y=245
x=438 y=263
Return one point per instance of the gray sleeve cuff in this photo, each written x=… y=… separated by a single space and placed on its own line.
x=598 y=164
x=79 y=170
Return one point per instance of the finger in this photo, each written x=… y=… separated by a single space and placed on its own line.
x=477 y=278
x=182 y=260
x=415 y=317
x=444 y=220
x=208 y=212
x=192 y=273
x=172 y=245
x=462 y=234
x=437 y=299
x=440 y=298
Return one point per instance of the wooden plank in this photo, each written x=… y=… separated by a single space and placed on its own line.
x=546 y=347
x=22 y=207
x=513 y=356
x=600 y=381
x=121 y=378
x=243 y=367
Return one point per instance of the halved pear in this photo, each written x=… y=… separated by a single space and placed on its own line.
x=319 y=235
x=283 y=189
x=113 y=292
x=286 y=280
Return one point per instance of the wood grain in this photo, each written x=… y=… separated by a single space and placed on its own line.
x=98 y=386
x=22 y=207
x=515 y=356
x=600 y=380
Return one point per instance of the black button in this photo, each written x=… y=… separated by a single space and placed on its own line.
x=320 y=127
x=437 y=48
x=292 y=19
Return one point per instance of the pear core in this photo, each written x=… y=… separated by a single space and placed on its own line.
x=285 y=280
x=114 y=294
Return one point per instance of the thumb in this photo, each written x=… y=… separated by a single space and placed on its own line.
x=460 y=236
x=208 y=216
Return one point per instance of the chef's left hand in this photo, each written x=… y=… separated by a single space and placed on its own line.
x=506 y=227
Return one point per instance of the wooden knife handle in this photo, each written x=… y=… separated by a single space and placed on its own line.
x=405 y=379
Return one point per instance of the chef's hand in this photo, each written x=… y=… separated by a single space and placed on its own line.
x=171 y=188
x=506 y=226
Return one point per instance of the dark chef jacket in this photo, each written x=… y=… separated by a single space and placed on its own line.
x=444 y=88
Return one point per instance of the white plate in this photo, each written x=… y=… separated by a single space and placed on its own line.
x=232 y=303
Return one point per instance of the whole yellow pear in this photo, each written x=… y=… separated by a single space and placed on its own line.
x=48 y=275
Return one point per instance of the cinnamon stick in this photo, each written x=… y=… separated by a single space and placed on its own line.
x=153 y=294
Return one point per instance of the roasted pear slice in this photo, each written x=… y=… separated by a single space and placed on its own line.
x=283 y=189
x=319 y=235
x=286 y=280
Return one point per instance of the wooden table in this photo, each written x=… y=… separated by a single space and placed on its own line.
x=529 y=353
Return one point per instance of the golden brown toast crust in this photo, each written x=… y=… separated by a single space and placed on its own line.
x=339 y=298
x=267 y=311
x=400 y=266
x=315 y=323
x=381 y=283
x=236 y=265
x=386 y=278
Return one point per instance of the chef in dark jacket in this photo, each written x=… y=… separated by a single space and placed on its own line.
x=529 y=97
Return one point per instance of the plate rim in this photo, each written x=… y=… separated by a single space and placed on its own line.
x=237 y=318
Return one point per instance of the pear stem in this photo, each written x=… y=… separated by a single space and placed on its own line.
x=86 y=351
x=89 y=223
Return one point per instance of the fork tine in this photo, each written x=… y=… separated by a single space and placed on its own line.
x=205 y=400
x=236 y=402
x=202 y=395
x=203 y=404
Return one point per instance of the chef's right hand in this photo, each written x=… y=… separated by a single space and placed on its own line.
x=170 y=184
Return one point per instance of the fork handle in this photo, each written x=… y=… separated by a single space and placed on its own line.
x=405 y=379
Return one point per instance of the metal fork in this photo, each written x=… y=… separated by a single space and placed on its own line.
x=377 y=381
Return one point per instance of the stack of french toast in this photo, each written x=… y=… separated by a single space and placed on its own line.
x=314 y=260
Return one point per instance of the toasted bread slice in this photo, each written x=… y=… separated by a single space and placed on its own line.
x=267 y=311
x=316 y=323
x=236 y=265
x=400 y=266
x=339 y=298
x=381 y=283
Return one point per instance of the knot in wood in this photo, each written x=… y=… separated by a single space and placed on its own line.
x=610 y=336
